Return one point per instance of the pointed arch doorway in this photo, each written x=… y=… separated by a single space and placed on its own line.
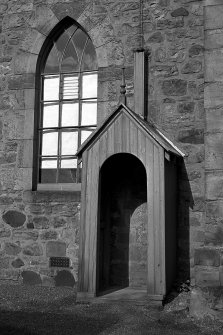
x=122 y=224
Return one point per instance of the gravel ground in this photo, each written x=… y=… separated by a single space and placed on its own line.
x=29 y=310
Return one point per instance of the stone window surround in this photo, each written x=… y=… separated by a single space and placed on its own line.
x=75 y=187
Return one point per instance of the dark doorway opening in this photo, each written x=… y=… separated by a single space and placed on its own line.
x=122 y=227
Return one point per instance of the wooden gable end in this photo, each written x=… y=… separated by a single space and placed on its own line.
x=122 y=135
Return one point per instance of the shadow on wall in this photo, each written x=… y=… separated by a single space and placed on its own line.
x=122 y=249
x=185 y=205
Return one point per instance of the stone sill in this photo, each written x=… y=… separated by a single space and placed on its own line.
x=60 y=187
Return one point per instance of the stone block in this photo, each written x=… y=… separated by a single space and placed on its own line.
x=214 y=186
x=33 y=249
x=5 y=233
x=28 y=124
x=196 y=219
x=214 y=237
x=214 y=209
x=32 y=42
x=25 y=62
x=205 y=278
x=25 y=154
x=214 y=120
x=48 y=235
x=156 y=37
x=164 y=70
x=55 y=249
x=58 y=222
x=214 y=151
x=214 y=65
x=196 y=50
x=17 y=263
x=21 y=81
x=186 y=107
x=214 y=17
x=4 y=263
x=207 y=257
x=193 y=66
x=41 y=222
x=31 y=278
x=64 y=278
x=25 y=235
x=48 y=281
x=213 y=95
x=193 y=136
x=12 y=248
x=180 y=12
x=51 y=196
x=43 y=19
x=14 y=218
x=73 y=8
x=102 y=34
x=174 y=87
x=29 y=99
x=212 y=2
x=214 y=39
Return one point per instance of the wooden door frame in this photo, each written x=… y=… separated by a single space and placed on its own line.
x=87 y=281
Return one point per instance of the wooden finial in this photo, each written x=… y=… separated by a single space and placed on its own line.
x=123 y=88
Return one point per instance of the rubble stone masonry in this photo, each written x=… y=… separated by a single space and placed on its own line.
x=184 y=42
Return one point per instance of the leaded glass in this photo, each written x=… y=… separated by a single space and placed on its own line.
x=68 y=105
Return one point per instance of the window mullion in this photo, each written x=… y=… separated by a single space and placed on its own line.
x=59 y=127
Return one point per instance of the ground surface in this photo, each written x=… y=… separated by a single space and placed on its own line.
x=29 y=310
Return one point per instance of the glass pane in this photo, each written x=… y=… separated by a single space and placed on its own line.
x=70 y=114
x=48 y=176
x=61 y=44
x=51 y=88
x=69 y=143
x=85 y=134
x=70 y=87
x=79 y=40
x=52 y=63
x=49 y=163
x=71 y=30
x=70 y=60
x=89 y=85
x=89 y=61
x=50 y=115
x=67 y=175
x=89 y=113
x=49 y=143
x=68 y=163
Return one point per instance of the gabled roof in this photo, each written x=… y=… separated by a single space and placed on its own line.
x=150 y=129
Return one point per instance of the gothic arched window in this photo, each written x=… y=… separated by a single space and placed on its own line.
x=68 y=104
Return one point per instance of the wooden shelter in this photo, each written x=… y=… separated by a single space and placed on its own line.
x=146 y=160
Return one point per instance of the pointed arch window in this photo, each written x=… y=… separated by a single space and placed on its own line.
x=68 y=105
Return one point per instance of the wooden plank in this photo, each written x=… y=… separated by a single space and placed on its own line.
x=81 y=265
x=157 y=218
x=87 y=222
x=110 y=140
x=103 y=148
x=139 y=82
x=162 y=223
x=125 y=131
x=118 y=135
x=93 y=209
x=141 y=146
x=150 y=228
x=133 y=139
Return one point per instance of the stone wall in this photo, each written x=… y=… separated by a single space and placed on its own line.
x=208 y=258
x=36 y=225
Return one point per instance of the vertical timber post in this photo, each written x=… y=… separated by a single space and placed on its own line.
x=140 y=83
